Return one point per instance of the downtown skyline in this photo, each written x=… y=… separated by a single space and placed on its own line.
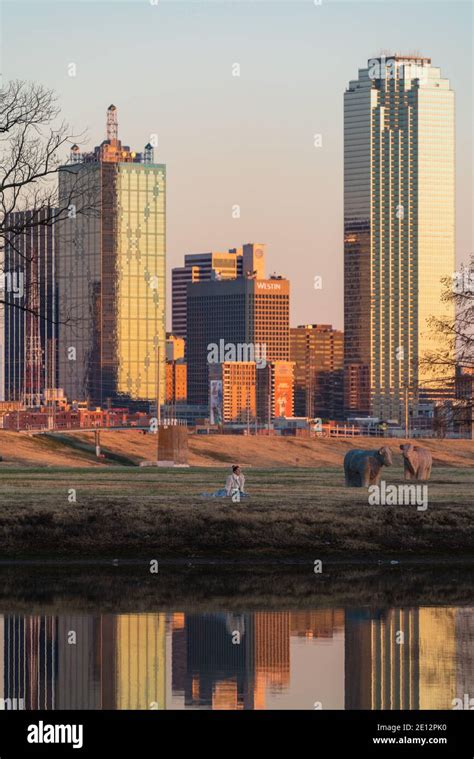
x=111 y=266
x=264 y=145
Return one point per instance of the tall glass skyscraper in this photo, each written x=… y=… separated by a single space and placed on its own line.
x=111 y=274
x=399 y=229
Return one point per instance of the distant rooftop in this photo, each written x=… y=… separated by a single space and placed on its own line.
x=111 y=149
x=403 y=58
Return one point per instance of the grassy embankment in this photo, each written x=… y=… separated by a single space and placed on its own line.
x=133 y=447
x=293 y=513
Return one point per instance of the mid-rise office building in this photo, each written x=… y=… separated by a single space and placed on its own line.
x=318 y=353
x=111 y=274
x=232 y=392
x=244 y=319
x=199 y=267
x=399 y=229
x=176 y=370
x=275 y=391
x=249 y=260
x=176 y=382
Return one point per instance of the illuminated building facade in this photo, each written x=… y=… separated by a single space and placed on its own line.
x=141 y=659
x=405 y=658
x=237 y=391
x=272 y=647
x=438 y=660
x=249 y=260
x=199 y=267
x=318 y=353
x=250 y=313
x=175 y=348
x=399 y=228
x=382 y=659
x=176 y=370
x=275 y=391
x=111 y=274
x=176 y=374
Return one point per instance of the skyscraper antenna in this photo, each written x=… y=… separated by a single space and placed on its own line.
x=112 y=123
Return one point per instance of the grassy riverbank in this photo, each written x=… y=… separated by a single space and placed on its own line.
x=293 y=513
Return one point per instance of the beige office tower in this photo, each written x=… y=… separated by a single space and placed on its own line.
x=399 y=238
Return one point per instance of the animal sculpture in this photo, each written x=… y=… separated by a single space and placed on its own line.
x=417 y=462
x=364 y=468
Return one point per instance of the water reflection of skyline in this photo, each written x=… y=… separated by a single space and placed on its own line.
x=415 y=658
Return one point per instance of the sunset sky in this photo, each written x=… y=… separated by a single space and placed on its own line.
x=244 y=140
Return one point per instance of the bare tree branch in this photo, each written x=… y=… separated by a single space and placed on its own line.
x=32 y=143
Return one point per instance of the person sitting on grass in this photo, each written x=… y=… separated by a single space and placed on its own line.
x=235 y=484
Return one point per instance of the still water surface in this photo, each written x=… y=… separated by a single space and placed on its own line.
x=330 y=658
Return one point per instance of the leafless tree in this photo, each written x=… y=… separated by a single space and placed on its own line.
x=452 y=357
x=33 y=139
x=455 y=335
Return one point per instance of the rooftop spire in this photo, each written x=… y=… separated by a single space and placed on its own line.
x=112 y=123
